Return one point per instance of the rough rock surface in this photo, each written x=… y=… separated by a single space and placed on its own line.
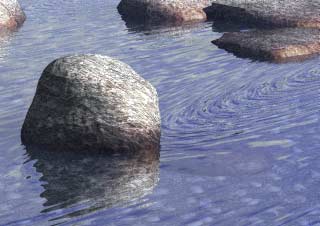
x=164 y=11
x=92 y=102
x=276 y=13
x=278 y=45
x=11 y=14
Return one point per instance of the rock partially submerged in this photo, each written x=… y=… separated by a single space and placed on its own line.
x=271 y=13
x=277 y=45
x=11 y=14
x=92 y=103
x=279 y=13
x=164 y=11
x=298 y=39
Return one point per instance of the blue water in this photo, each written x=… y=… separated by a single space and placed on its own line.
x=240 y=139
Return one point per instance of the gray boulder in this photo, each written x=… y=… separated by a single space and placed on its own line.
x=11 y=14
x=92 y=103
x=268 y=13
x=275 y=45
x=164 y=11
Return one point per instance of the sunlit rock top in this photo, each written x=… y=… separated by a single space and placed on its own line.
x=11 y=14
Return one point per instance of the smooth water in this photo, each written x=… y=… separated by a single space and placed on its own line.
x=240 y=139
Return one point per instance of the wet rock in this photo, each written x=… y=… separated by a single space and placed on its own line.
x=276 y=13
x=164 y=11
x=277 y=45
x=11 y=14
x=92 y=103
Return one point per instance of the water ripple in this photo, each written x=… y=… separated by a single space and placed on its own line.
x=249 y=103
x=239 y=138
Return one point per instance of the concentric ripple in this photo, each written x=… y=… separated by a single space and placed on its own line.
x=257 y=101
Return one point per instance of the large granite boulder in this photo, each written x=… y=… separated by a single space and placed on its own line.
x=11 y=14
x=164 y=11
x=92 y=103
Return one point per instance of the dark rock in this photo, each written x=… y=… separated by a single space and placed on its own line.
x=274 y=13
x=94 y=181
x=92 y=103
x=164 y=11
x=11 y=14
x=277 y=45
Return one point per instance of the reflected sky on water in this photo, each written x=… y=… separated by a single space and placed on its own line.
x=239 y=144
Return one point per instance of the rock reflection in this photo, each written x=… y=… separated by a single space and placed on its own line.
x=5 y=38
x=95 y=181
x=169 y=29
x=227 y=26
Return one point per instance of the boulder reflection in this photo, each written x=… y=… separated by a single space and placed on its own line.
x=167 y=29
x=96 y=181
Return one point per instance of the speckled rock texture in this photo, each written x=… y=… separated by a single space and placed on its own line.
x=92 y=103
x=164 y=11
x=276 y=13
x=277 y=45
x=11 y=14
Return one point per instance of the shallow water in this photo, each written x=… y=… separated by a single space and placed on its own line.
x=240 y=139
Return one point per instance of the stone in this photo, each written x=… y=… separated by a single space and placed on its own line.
x=276 y=45
x=92 y=103
x=11 y=14
x=269 y=13
x=164 y=11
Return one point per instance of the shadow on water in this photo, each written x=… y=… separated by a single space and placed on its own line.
x=222 y=26
x=94 y=181
x=167 y=28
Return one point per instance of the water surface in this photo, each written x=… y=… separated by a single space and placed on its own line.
x=240 y=139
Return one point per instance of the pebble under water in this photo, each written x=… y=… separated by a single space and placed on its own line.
x=239 y=141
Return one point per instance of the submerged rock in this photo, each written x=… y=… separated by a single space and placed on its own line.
x=277 y=45
x=11 y=14
x=92 y=103
x=276 y=13
x=164 y=11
